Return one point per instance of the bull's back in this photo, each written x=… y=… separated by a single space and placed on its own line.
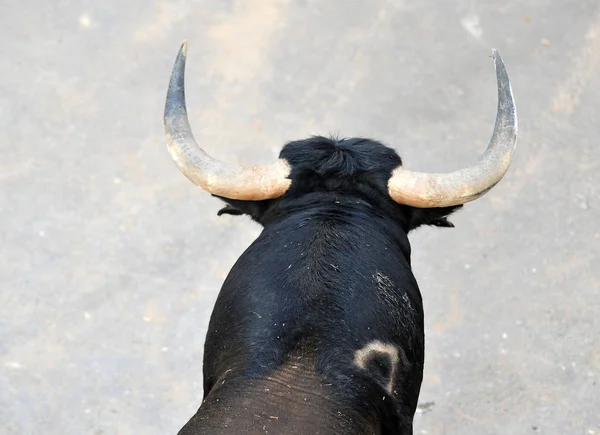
x=347 y=291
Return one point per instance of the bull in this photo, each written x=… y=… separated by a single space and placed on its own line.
x=318 y=328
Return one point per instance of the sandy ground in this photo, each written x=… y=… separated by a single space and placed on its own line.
x=111 y=260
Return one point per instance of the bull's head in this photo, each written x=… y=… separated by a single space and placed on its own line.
x=415 y=189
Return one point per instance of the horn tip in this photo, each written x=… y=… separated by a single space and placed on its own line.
x=184 y=47
x=498 y=63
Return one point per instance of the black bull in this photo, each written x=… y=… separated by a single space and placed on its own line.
x=318 y=328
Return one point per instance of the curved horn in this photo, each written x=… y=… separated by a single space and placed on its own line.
x=424 y=190
x=214 y=176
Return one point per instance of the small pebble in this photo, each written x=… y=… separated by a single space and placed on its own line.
x=13 y=365
x=85 y=21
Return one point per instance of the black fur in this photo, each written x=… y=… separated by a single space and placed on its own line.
x=331 y=266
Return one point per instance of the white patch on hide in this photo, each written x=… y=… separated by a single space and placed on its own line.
x=378 y=348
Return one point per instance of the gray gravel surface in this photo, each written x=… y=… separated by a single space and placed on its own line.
x=111 y=260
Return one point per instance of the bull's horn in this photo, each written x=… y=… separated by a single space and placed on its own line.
x=214 y=176
x=441 y=190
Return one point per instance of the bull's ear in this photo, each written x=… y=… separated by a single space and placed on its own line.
x=437 y=217
x=254 y=209
x=229 y=210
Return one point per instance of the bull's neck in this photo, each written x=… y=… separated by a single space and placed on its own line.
x=356 y=219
